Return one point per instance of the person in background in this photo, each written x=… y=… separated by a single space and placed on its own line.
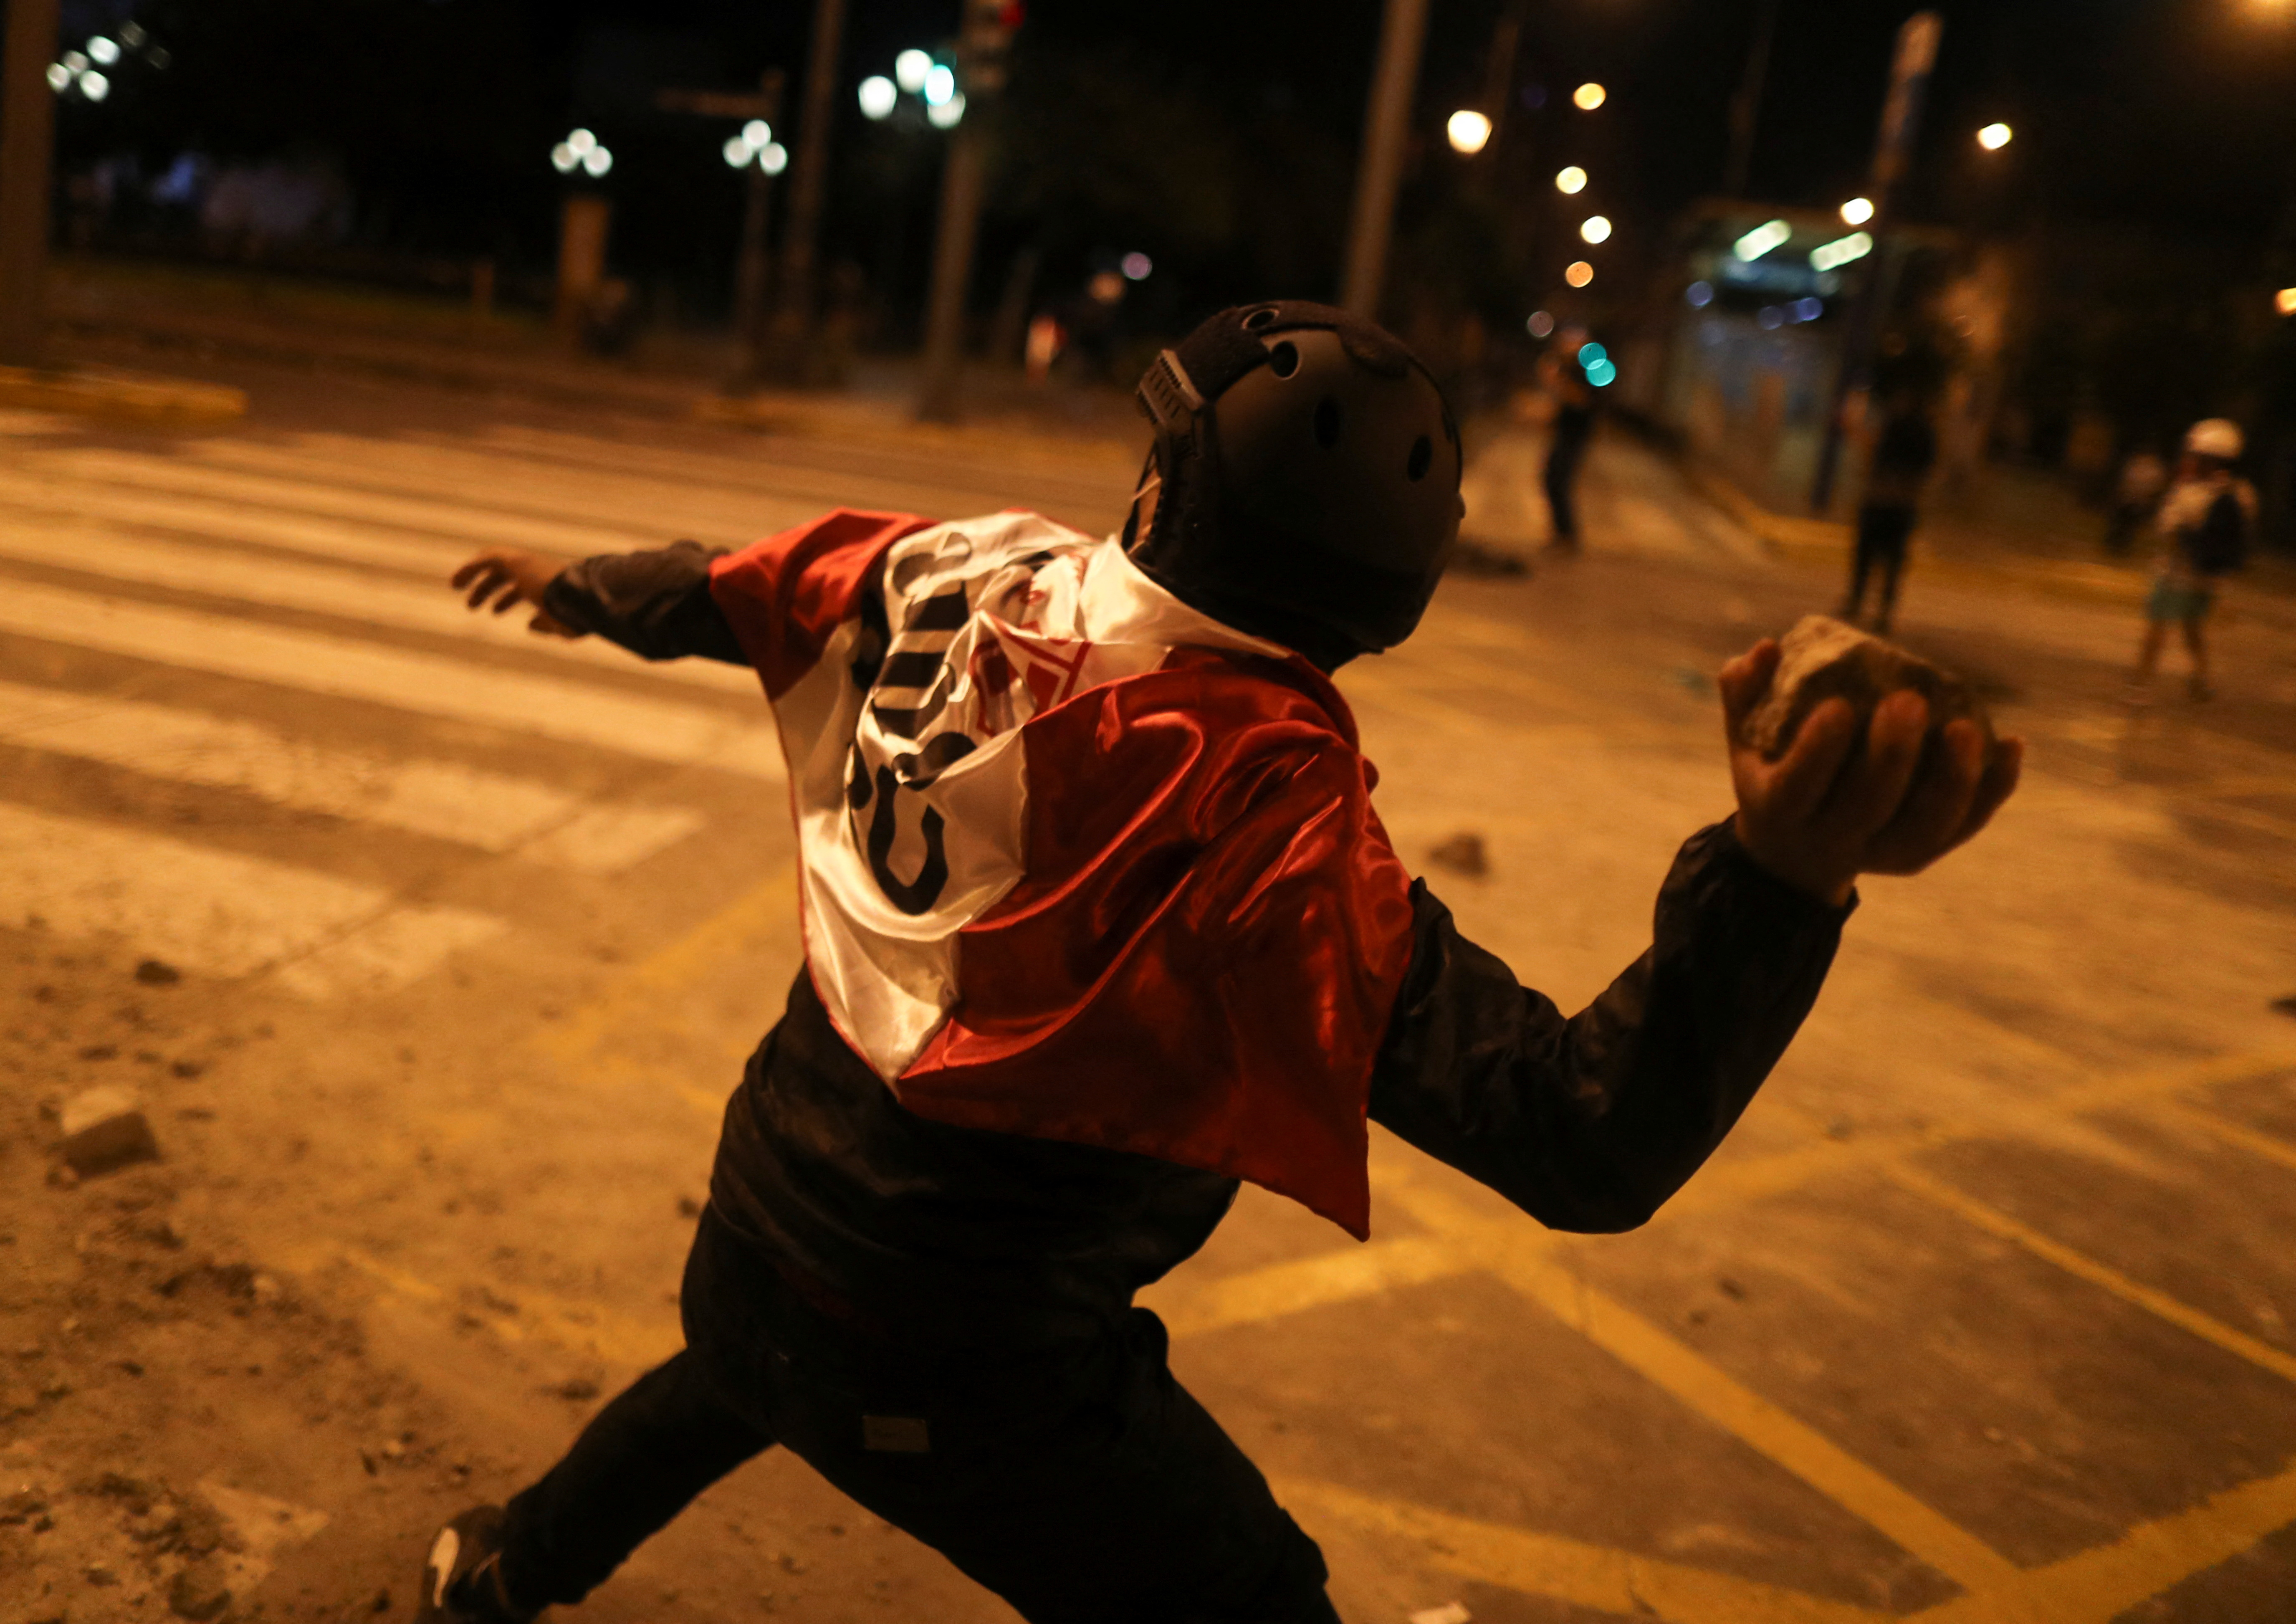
x=1564 y=378
x=2205 y=521
x=1904 y=451
x=2143 y=478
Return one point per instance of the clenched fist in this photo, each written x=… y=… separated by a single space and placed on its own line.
x=1823 y=814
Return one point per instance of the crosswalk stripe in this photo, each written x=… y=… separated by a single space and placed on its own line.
x=94 y=467
x=443 y=800
x=220 y=913
x=650 y=507
x=236 y=522
x=324 y=589
x=430 y=684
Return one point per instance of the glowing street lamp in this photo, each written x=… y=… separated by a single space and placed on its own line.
x=583 y=150
x=878 y=96
x=1579 y=274
x=2284 y=301
x=1570 y=182
x=944 y=115
x=940 y=84
x=1589 y=96
x=1993 y=138
x=1595 y=228
x=1469 y=131
x=1857 y=211
x=909 y=71
x=1762 y=240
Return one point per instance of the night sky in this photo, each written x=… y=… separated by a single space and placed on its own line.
x=1229 y=130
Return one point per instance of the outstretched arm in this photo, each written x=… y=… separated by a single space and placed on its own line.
x=656 y=602
x=1590 y=1123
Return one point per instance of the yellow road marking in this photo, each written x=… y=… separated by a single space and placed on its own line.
x=2235 y=1133
x=2101 y=1583
x=1196 y=1307
x=1567 y=1569
x=2085 y=1268
x=766 y=907
x=1703 y=1387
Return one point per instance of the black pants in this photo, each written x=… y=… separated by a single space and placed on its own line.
x=1096 y=1491
x=1883 y=529
x=1564 y=456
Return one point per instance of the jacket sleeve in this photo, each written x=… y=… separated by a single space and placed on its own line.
x=1589 y=1123
x=656 y=603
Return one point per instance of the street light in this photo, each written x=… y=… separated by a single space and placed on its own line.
x=1595 y=228
x=1570 y=182
x=1589 y=96
x=1579 y=274
x=1469 y=131
x=909 y=71
x=940 y=84
x=582 y=150
x=2284 y=301
x=944 y=115
x=1857 y=211
x=878 y=96
x=1762 y=240
x=1993 y=138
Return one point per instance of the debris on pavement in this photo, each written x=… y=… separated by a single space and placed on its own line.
x=105 y=1129
x=1463 y=854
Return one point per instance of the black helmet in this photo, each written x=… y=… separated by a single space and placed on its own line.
x=1310 y=478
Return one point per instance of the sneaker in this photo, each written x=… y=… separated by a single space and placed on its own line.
x=461 y=1577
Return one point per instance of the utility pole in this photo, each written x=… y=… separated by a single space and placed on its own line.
x=982 y=48
x=1387 y=123
x=795 y=355
x=753 y=267
x=1746 y=106
x=1901 y=119
x=28 y=140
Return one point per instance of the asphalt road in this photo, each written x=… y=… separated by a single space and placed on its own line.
x=1985 y=1313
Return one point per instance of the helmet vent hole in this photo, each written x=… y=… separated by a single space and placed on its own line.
x=1327 y=422
x=1283 y=360
x=1259 y=320
x=1422 y=453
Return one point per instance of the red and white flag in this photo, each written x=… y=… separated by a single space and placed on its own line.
x=1078 y=862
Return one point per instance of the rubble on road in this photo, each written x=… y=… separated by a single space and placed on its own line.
x=105 y=1129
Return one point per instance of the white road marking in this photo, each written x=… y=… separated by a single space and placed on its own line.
x=651 y=508
x=445 y=800
x=90 y=470
x=218 y=912
x=279 y=584
x=430 y=684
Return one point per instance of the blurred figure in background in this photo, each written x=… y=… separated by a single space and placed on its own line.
x=1904 y=451
x=2205 y=522
x=2143 y=478
x=1565 y=379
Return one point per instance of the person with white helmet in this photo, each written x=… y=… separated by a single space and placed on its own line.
x=2205 y=521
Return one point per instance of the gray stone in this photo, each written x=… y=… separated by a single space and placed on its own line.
x=105 y=1129
x=1823 y=659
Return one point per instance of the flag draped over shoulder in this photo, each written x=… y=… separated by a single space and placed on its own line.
x=1078 y=862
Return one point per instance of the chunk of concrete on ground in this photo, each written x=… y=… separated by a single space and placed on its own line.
x=1823 y=659
x=105 y=1129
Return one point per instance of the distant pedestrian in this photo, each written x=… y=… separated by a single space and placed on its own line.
x=2134 y=498
x=2205 y=522
x=1565 y=379
x=1904 y=451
